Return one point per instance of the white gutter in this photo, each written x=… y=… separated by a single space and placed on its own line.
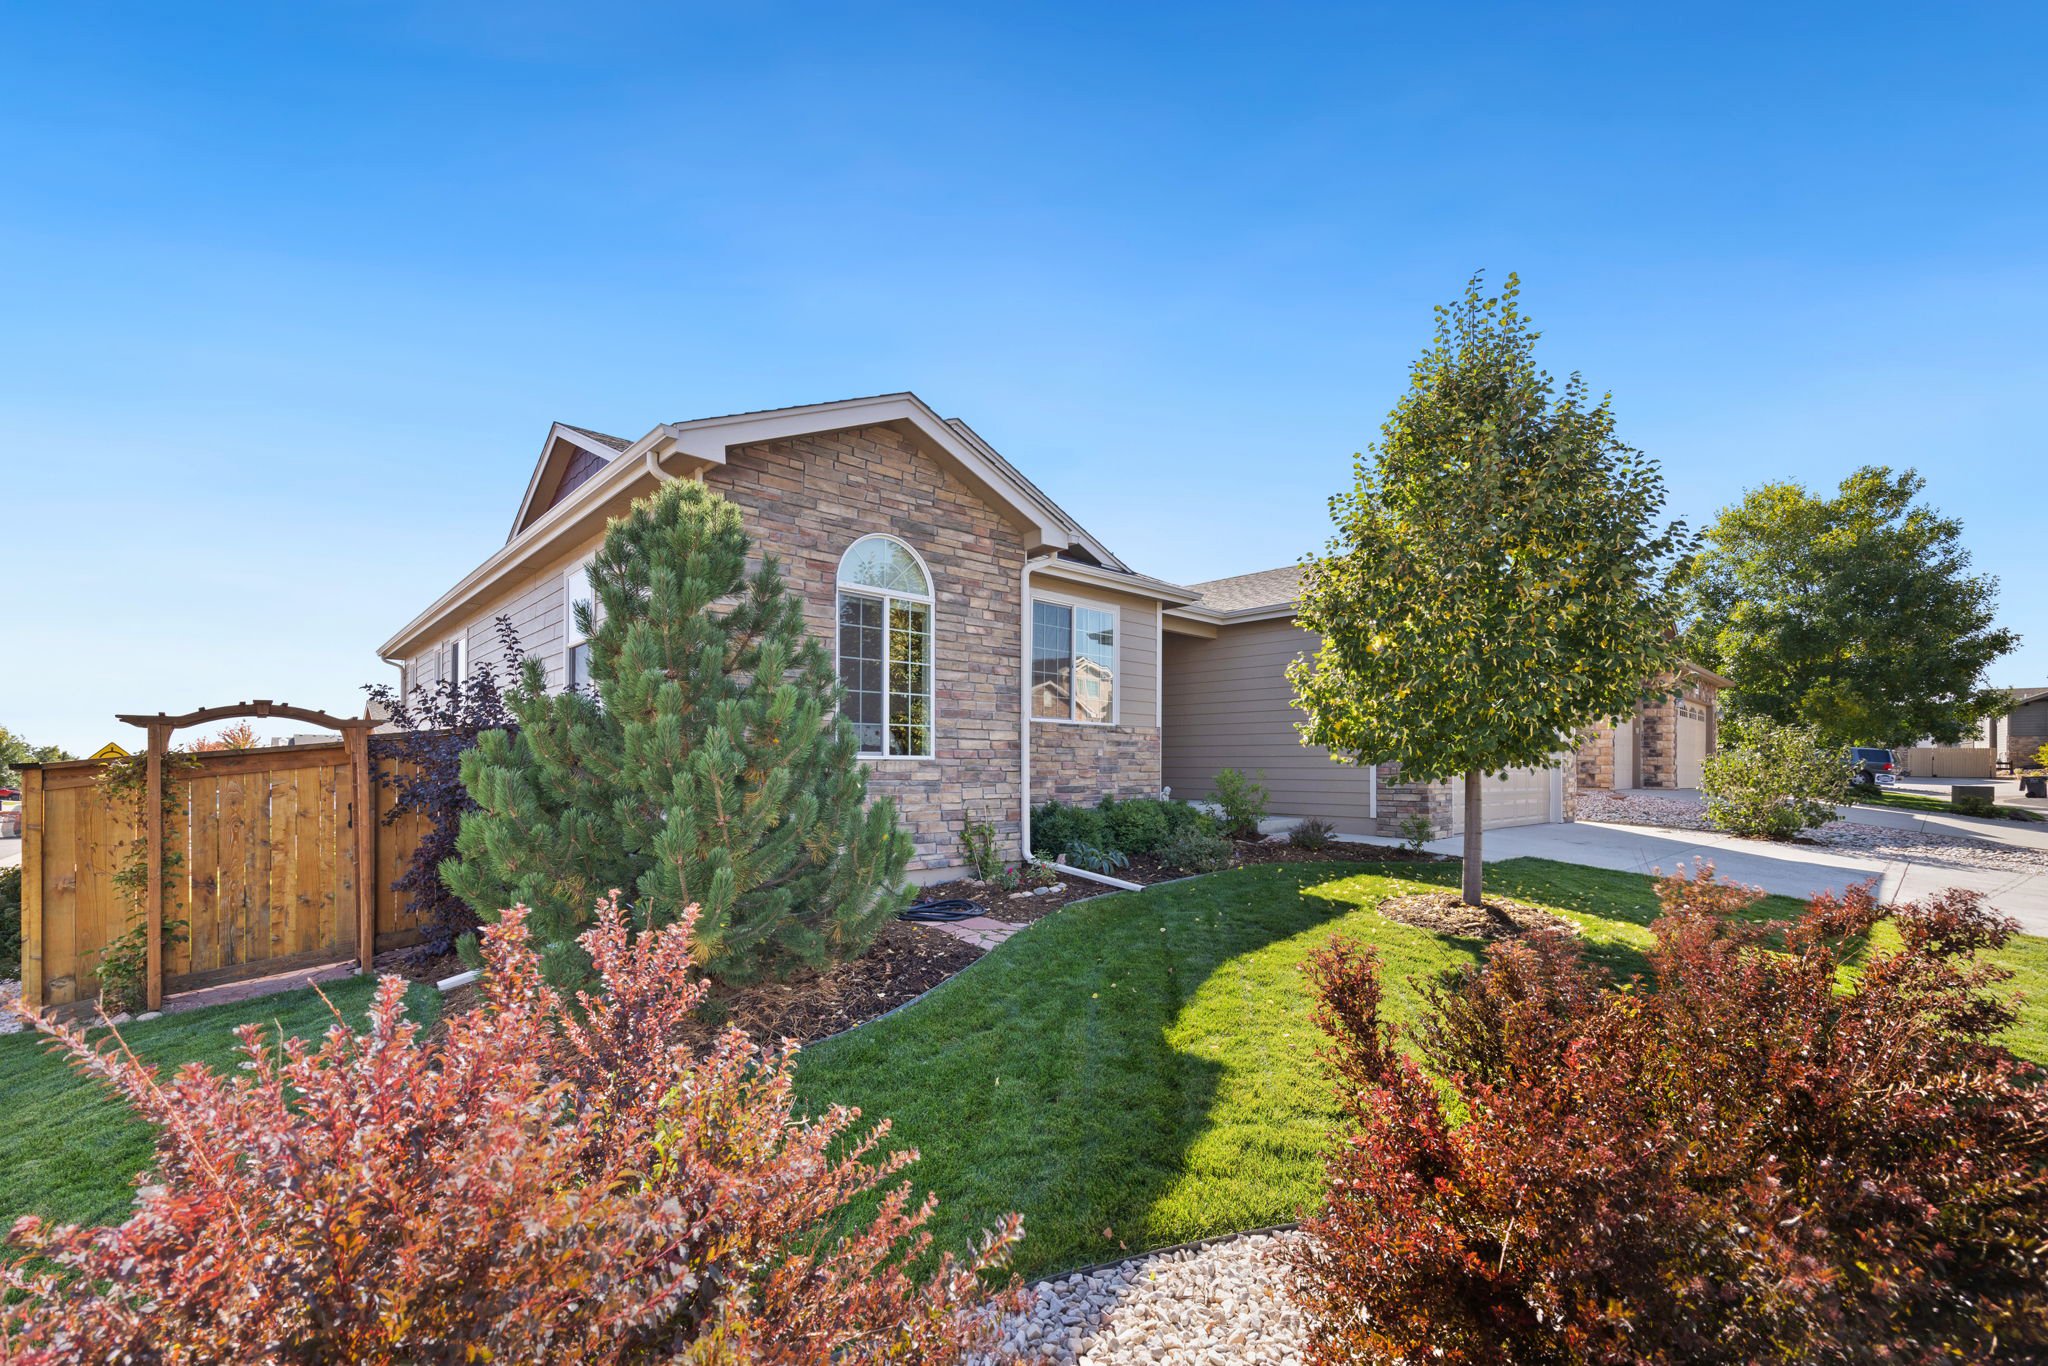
x=1024 y=707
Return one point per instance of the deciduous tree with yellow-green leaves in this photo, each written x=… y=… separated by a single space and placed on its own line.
x=1498 y=578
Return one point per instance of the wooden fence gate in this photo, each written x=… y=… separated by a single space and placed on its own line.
x=279 y=861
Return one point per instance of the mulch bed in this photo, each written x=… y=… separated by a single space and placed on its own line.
x=1022 y=907
x=416 y=967
x=1447 y=913
x=905 y=961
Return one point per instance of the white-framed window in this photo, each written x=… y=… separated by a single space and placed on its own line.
x=576 y=591
x=1073 y=661
x=454 y=660
x=885 y=647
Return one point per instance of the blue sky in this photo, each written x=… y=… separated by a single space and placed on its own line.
x=291 y=292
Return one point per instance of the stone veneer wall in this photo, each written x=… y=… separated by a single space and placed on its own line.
x=1083 y=764
x=1657 y=742
x=806 y=500
x=1594 y=769
x=1398 y=801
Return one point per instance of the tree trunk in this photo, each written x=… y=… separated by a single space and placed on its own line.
x=1474 y=827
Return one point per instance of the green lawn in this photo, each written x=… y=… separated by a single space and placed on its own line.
x=1141 y=1063
x=69 y=1148
x=1920 y=801
x=1144 y=1063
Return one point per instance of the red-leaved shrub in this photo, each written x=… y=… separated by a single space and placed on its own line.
x=534 y=1182
x=1753 y=1157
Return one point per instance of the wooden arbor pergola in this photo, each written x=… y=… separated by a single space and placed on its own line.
x=355 y=736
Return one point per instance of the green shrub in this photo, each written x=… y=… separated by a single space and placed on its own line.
x=1416 y=831
x=1182 y=817
x=10 y=922
x=1243 y=803
x=1974 y=806
x=1055 y=826
x=1094 y=858
x=1315 y=833
x=1772 y=781
x=1195 y=850
x=978 y=846
x=1137 y=825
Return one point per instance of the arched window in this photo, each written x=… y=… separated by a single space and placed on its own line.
x=885 y=647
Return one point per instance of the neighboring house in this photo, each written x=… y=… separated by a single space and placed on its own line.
x=951 y=588
x=2016 y=737
x=1229 y=705
x=1663 y=743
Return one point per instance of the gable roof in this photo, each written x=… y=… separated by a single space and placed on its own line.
x=617 y=443
x=674 y=448
x=556 y=452
x=2024 y=697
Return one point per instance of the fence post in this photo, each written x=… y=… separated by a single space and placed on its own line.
x=32 y=887
x=153 y=836
x=358 y=738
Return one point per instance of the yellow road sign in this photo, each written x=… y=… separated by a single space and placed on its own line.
x=110 y=750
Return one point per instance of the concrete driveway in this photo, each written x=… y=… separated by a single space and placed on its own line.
x=1791 y=869
x=10 y=852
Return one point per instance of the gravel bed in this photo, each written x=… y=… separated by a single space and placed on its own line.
x=1855 y=837
x=1919 y=846
x=10 y=1023
x=1637 y=808
x=1222 y=1304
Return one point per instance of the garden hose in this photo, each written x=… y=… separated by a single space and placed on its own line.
x=938 y=912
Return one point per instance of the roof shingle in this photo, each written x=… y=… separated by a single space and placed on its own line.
x=1252 y=592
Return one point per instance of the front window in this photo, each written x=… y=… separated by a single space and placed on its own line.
x=1073 y=662
x=885 y=647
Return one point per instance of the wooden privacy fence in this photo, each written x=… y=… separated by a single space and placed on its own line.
x=273 y=845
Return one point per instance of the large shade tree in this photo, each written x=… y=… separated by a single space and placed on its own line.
x=1498 y=578
x=1854 y=614
x=707 y=766
x=16 y=750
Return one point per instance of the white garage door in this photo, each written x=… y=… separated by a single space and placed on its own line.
x=1692 y=743
x=1523 y=797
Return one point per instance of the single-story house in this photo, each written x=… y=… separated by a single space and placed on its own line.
x=990 y=646
x=2016 y=737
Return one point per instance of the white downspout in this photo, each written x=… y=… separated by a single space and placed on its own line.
x=1024 y=707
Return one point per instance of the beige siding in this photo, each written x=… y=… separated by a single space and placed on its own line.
x=534 y=599
x=1229 y=705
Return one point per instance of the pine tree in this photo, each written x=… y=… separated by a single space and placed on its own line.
x=710 y=767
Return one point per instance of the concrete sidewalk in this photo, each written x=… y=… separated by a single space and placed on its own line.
x=1787 y=869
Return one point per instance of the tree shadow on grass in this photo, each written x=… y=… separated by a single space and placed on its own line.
x=1134 y=1071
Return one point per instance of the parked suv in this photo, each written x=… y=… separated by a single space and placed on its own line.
x=1872 y=767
